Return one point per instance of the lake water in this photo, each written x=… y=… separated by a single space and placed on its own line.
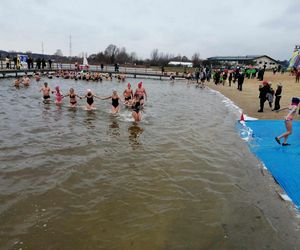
x=180 y=179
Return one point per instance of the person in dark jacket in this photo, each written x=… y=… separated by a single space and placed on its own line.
x=230 y=79
x=278 y=97
x=263 y=90
x=240 y=80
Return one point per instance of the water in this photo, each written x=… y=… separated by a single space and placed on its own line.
x=180 y=179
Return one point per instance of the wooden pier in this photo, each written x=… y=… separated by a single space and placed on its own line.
x=129 y=72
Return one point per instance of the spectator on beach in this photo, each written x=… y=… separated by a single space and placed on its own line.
x=241 y=78
x=279 y=68
x=217 y=77
x=224 y=77
x=278 y=97
x=230 y=79
x=263 y=90
x=297 y=73
x=289 y=121
x=270 y=95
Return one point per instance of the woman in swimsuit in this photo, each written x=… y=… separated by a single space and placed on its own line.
x=115 y=108
x=136 y=108
x=58 y=95
x=288 y=121
x=90 y=99
x=72 y=96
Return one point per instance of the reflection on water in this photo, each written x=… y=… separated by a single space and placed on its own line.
x=134 y=135
x=113 y=127
x=90 y=119
x=179 y=179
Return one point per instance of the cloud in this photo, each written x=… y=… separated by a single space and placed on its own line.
x=179 y=27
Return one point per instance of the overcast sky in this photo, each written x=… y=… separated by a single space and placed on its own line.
x=210 y=27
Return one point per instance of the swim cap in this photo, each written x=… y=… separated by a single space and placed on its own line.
x=128 y=85
x=114 y=90
x=295 y=100
x=140 y=84
x=88 y=90
x=265 y=82
x=57 y=88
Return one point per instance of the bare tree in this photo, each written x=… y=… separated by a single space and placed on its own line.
x=196 y=59
x=111 y=51
x=154 y=56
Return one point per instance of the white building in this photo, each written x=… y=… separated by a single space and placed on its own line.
x=177 y=63
x=259 y=60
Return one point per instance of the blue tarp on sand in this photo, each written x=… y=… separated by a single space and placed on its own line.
x=282 y=161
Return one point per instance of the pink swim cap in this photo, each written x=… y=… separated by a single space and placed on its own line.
x=140 y=84
x=128 y=85
x=88 y=90
x=57 y=88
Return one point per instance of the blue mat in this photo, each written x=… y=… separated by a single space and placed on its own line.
x=282 y=162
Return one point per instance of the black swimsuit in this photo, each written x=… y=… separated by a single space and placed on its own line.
x=90 y=99
x=74 y=100
x=115 y=102
x=136 y=107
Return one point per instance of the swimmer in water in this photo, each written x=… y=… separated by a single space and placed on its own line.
x=73 y=96
x=141 y=92
x=128 y=94
x=90 y=99
x=288 y=121
x=58 y=95
x=115 y=108
x=46 y=92
x=17 y=83
x=136 y=108
x=26 y=80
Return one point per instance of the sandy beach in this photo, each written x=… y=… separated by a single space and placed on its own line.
x=248 y=99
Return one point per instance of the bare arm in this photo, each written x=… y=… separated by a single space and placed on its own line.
x=282 y=109
x=105 y=98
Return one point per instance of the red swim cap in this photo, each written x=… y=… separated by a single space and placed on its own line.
x=128 y=85
x=140 y=84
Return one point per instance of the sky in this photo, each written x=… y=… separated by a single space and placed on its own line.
x=178 y=27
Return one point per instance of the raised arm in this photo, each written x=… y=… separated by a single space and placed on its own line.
x=292 y=110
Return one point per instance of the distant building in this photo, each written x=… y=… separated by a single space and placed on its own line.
x=177 y=63
x=258 y=60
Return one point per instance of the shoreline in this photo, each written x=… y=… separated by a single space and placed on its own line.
x=248 y=101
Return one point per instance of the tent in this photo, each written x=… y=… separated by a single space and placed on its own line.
x=85 y=64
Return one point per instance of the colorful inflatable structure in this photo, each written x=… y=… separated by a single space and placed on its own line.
x=295 y=60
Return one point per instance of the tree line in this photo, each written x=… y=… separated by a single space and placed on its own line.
x=113 y=54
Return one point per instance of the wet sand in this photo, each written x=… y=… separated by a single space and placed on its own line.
x=248 y=99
